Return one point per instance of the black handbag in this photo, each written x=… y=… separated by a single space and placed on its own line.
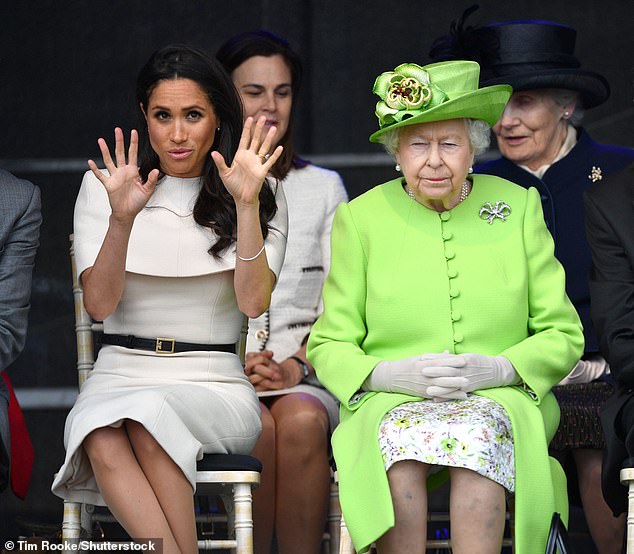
x=558 y=540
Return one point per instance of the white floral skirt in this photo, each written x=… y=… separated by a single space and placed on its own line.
x=474 y=433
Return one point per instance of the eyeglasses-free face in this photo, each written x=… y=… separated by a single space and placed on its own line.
x=435 y=158
x=182 y=125
x=264 y=84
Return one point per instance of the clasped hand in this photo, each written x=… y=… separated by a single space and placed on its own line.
x=442 y=376
x=265 y=373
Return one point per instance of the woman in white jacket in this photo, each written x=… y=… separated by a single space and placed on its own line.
x=297 y=413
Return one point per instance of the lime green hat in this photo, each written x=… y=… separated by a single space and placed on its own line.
x=413 y=94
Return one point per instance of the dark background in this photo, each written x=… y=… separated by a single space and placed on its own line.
x=67 y=72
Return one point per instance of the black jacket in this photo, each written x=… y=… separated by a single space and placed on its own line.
x=561 y=189
x=610 y=229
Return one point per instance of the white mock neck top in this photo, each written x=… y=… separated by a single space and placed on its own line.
x=165 y=240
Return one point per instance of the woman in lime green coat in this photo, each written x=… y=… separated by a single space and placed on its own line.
x=445 y=325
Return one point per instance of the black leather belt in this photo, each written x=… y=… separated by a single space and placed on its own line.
x=162 y=345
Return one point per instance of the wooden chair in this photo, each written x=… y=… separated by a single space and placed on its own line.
x=627 y=478
x=330 y=541
x=231 y=477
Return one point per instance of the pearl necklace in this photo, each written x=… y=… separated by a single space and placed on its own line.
x=464 y=192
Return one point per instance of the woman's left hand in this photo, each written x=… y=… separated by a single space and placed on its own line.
x=470 y=371
x=251 y=163
x=266 y=374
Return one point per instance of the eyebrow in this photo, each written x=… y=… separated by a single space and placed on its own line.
x=255 y=85
x=184 y=109
x=452 y=136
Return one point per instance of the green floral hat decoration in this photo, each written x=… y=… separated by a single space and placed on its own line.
x=412 y=94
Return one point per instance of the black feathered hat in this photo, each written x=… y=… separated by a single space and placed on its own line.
x=524 y=54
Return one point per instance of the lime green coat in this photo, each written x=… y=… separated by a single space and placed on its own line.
x=406 y=280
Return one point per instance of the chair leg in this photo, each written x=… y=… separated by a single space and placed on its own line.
x=511 y=512
x=71 y=524
x=334 y=518
x=345 y=542
x=627 y=478
x=243 y=503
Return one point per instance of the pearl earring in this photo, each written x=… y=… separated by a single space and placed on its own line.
x=471 y=170
x=397 y=167
x=566 y=114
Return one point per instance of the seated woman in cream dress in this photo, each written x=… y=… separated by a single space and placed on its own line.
x=176 y=248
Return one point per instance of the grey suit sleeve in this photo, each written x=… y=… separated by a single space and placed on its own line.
x=612 y=292
x=17 y=257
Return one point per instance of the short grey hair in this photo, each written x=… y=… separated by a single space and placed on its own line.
x=563 y=97
x=478 y=131
x=479 y=135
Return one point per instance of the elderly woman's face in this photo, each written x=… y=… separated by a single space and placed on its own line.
x=532 y=128
x=435 y=159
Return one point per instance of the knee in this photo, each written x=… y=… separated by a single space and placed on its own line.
x=589 y=464
x=143 y=443
x=265 y=446
x=468 y=486
x=305 y=426
x=463 y=480
x=103 y=447
x=268 y=426
x=407 y=480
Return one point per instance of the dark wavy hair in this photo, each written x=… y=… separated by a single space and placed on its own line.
x=214 y=207
x=239 y=49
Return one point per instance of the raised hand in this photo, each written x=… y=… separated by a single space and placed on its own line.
x=127 y=193
x=251 y=162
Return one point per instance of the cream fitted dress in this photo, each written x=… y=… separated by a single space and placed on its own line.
x=193 y=402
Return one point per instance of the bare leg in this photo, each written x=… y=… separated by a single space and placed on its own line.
x=607 y=531
x=303 y=474
x=477 y=509
x=264 y=495
x=172 y=489
x=407 y=481
x=125 y=487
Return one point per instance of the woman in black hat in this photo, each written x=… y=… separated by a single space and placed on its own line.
x=543 y=146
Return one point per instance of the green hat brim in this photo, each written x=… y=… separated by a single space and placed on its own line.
x=486 y=103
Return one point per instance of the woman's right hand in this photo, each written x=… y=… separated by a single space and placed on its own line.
x=407 y=376
x=127 y=193
x=266 y=374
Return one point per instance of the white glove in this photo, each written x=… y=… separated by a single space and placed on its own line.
x=586 y=371
x=406 y=376
x=469 y=372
